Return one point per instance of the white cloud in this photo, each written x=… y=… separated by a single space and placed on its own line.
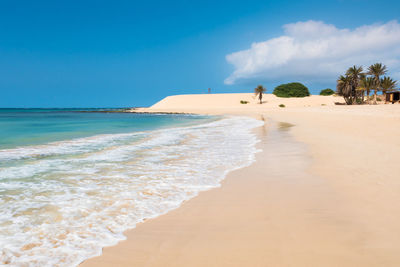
x=317 y=52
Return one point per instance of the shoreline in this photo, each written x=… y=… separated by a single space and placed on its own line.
x=337 y=214
x=128 y=231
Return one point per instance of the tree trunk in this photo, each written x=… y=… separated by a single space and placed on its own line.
x=355 y=96
x=260 y=97
x=362 y=97
x=368 y=100
x=378 y=86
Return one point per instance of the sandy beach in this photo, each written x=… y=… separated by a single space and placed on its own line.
x=200 y=133
x=324 y=191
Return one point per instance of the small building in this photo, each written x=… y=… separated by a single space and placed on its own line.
x=393 y=97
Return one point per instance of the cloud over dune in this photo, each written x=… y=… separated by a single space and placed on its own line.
x=319 y=52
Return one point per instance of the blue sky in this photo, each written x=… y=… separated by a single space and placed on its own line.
x=134 y=53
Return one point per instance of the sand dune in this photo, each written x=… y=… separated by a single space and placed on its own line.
x=221 y=103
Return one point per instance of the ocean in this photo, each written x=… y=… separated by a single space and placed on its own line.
x=72 y=181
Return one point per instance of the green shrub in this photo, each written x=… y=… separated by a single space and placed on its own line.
x=244 y=102
x=282 y=106
x=327 y=91
x=291 y=90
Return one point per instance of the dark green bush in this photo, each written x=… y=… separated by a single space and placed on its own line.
x=291 y=90
x=327 y=91
x=282 y=105
x=244 y=102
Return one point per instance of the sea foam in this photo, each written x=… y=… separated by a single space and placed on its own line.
x=62 y=202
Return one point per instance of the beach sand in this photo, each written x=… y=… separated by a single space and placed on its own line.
x=324 y=191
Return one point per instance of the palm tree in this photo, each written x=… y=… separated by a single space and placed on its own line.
x=377 y=70
x=355 y=74
x=387 y=84
x=367 y=84
x=259 y=90
x=344 y=88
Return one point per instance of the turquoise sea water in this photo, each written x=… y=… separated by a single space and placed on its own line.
x=72 y=182
x=38 y=126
